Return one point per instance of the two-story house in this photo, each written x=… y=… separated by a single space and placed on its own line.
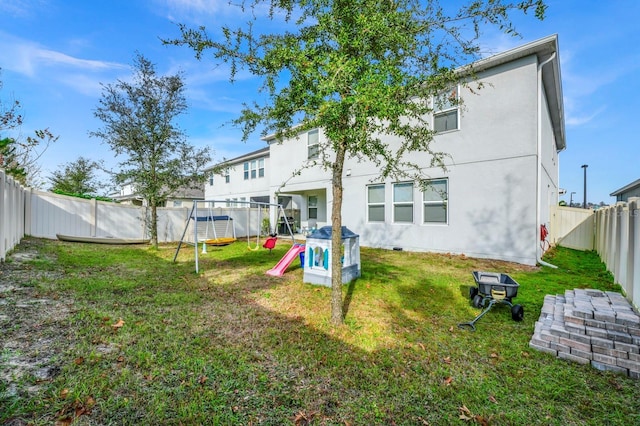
x=499 y=184
x=241 y=179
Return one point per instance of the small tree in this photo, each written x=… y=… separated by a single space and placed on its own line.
x=139 y=124
x=20 y=157
x=362 y=70
x=77 y=177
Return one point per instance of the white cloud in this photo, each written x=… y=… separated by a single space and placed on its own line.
x=20 y=8
x=29 y=58
x=579 y=120
x=37 y=62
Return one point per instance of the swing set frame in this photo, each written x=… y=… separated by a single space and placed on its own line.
x=194 y=215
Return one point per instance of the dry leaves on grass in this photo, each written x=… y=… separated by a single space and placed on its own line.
x=119 y=324
x=303 y=418
x=468 y=416
x=71 y=412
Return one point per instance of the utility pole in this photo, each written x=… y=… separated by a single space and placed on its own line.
x=584 y=166
x=571 y=199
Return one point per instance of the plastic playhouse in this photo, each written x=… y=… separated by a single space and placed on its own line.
x=317 y=257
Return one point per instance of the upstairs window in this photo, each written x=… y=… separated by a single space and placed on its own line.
x=226 y=175
x=253 y=169
x=445 y=111
x=312 y=144
x=403 y=202
x=435 y=201
x=211 y=179
x=375 y=203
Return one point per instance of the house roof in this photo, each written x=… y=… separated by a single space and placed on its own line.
x=632 y=185
x=262 y=152
x=545 y=49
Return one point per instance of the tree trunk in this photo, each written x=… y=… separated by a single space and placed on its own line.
x=337 y=315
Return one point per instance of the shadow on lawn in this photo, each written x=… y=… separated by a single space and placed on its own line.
x=225 y=355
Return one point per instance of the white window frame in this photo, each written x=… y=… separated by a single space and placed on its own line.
x=211 y=178
x=403 y=203
x=444 y=202
x=313 y=144
x=254 y=169
x=245 y=168
x=444 y=107
x=377 y=203
x=261 y=168
x=312 y=205
x=227 y=177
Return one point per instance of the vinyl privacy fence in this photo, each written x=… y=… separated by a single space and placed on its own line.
x=614 y=232
x=26 y=211
x=12 y=213
x=617 y=241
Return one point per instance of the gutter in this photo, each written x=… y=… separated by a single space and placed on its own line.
x=539 y=157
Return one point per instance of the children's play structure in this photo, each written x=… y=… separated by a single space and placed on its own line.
x=290 y=256
x=214 y=222
x=317 y=257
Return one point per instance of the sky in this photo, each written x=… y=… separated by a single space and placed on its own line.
x=55 y=55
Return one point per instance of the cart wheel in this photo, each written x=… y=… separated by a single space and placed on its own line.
x=473 y=291
x=517 y=312
x=478 y=301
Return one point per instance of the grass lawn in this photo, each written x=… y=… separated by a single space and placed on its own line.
x=148 y=341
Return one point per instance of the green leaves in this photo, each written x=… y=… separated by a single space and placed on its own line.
x=364 y=71
x=139 y=124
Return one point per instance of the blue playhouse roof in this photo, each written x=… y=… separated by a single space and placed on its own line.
x=324 y=233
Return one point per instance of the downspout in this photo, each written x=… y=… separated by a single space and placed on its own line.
x=539 y=157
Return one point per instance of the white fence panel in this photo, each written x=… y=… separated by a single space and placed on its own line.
x=618 y=244
x=53 y=214
x=11 y=214
x=119 y=220
x=171 y=223
x=572 y=227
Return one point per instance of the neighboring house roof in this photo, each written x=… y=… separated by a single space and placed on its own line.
x=545 y=49
x=188 y=193
x=633 y=185
x=181 y=193
x=262 y=152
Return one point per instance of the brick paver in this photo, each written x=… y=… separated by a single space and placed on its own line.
x=590 y=327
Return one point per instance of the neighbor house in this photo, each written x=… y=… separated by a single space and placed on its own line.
x=630 y=190
x=498 y=188
x=182 y=197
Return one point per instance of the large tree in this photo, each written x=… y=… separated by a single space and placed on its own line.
x=139 y=118
x=361 y=70
x=77 y=177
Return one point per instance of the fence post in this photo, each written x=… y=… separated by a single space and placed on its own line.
x=622 y=238
x=3 y=215
x=28 y=194
x=93 y=207
x=633 y=274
